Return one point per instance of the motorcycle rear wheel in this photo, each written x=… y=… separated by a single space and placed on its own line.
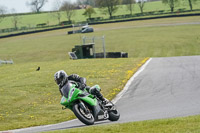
x=87 y=119
x=113 y=115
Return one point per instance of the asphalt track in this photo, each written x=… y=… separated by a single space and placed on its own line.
x=162 y=88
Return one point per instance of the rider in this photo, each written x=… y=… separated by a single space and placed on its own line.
x=61 y=78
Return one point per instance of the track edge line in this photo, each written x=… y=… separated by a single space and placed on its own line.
x=119 y=95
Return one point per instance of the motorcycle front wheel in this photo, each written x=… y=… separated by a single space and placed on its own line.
x=86 y=118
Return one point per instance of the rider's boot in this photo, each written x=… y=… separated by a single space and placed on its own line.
x=100 y=96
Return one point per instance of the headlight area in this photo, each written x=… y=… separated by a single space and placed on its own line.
x=71 y=94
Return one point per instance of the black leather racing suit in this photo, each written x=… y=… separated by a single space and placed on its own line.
x=76 y=78
x=82 y=82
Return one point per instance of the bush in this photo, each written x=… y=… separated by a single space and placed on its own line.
x=65 y=22
x=23 y=28
x=41 y=25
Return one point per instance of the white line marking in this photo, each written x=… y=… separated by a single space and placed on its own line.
x=130 y=81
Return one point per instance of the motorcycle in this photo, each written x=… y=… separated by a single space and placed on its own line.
x=87 y=107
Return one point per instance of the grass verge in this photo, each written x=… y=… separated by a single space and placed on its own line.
x=189 y=124
x=137 y=38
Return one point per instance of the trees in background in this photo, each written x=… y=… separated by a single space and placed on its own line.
x=108 y=6
x=36 y=5
x=56 y=8
x=129 y=4
x=141 y=4
x=171 y=3
x=191 y=3
x=15 y=18
x=89 y=11
x=2 y=12
x=69 y=9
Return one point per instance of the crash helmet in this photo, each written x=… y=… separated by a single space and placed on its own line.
x=61 y=78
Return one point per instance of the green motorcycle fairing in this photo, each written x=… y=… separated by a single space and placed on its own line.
x=71 y=94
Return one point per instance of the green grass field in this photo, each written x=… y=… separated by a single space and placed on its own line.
x=34 y=19
x=30 y=98
x=176 y=125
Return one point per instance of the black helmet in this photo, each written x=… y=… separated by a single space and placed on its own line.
x=60 y=78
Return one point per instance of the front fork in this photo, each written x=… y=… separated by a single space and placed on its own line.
x=82 y=106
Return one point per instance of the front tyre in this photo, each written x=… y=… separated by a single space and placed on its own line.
x=86 y=118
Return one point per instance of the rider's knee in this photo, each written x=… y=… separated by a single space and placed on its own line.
x=94 y=89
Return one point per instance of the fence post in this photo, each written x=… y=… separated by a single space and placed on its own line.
x=104 y=49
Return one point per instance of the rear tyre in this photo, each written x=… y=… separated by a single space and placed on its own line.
x=86 y=118
x=113 y=115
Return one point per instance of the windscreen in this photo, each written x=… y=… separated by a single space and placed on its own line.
x=65 y=89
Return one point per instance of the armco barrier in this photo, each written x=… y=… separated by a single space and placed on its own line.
x=35 y=31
